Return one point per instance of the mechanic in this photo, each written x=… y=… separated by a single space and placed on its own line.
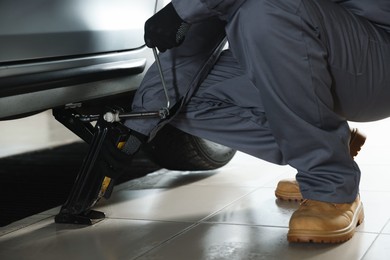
x=295 y=73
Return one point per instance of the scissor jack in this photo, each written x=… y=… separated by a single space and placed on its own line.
x=89 y=186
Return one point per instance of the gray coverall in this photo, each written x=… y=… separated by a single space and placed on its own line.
x=296 y=71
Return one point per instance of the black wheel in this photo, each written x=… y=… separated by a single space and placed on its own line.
x=176 y=150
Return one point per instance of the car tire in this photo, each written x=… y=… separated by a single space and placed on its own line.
x=174 y=149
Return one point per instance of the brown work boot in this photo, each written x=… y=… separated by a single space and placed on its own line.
x=323 y=222
x=288 y=189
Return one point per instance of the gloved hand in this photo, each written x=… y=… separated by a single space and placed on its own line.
x=165 y=29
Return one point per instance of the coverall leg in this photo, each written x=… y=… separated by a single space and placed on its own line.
x=303 y=69
x=307 y=59
x=227 y=109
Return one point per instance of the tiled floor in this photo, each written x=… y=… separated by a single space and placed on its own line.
x=230 y=213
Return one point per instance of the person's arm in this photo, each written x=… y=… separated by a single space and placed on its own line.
x=193 y=11
x=168 y=27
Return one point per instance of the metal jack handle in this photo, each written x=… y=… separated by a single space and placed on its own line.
x=116 y=116
x=158 y=63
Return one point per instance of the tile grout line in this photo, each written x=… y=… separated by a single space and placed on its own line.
x=376 y=238
x=195 y=224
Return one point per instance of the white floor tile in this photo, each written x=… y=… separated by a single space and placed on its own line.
x=386 y=230
x=23 y=223
x=380 y=250
x=257 y=208
x=237 y=242
x=109 y=239
x=375 y=177
x=376 y=211
x=184 y=203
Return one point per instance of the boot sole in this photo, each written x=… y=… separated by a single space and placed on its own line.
x=336 y=236
x=289 y=196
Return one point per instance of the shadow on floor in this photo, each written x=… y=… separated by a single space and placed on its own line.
x=40 y=180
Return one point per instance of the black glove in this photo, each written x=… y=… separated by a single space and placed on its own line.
x=165 y=29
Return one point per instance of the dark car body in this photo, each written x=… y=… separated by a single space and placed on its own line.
x=68 y=53
x=55 y=52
